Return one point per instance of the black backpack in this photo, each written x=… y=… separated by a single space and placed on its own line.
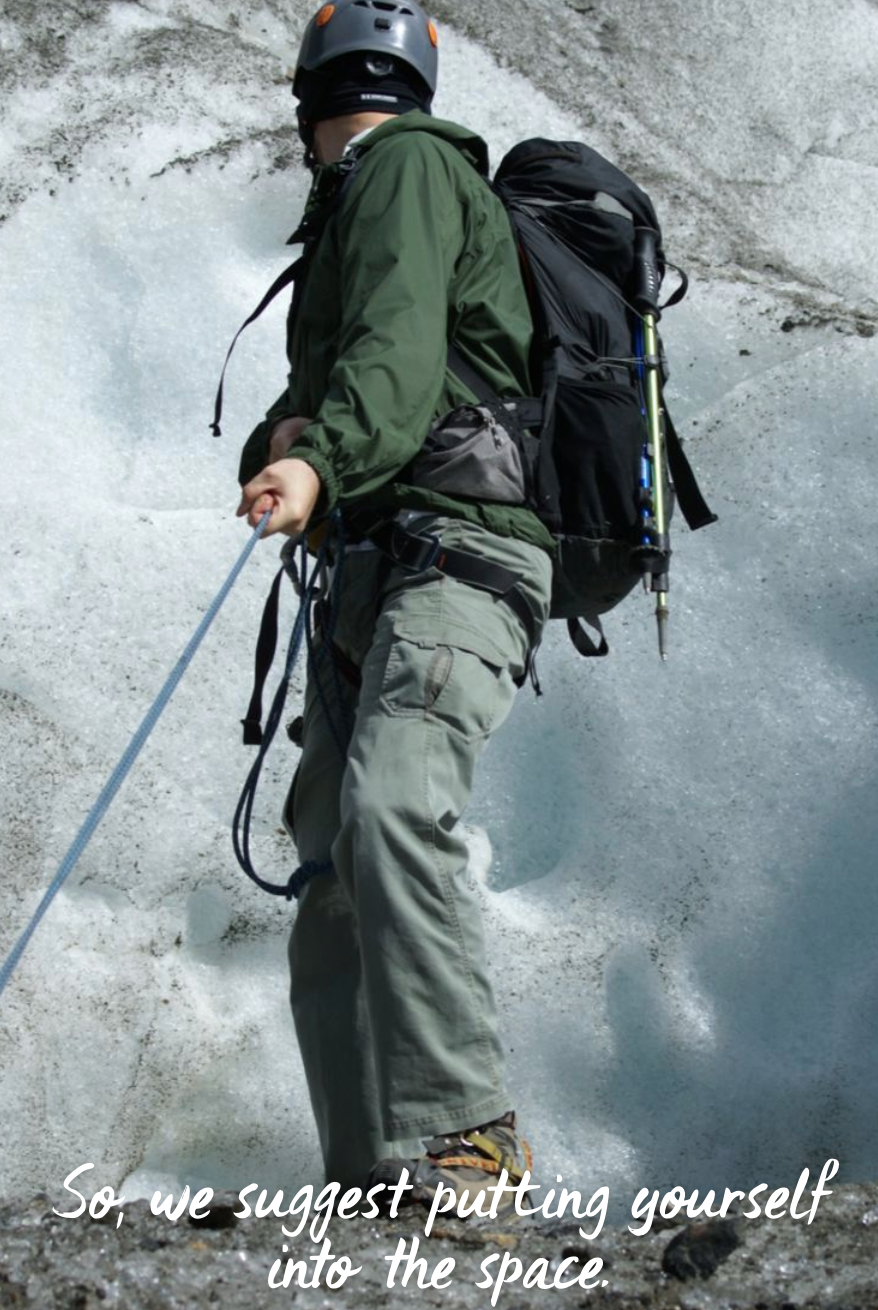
x=576 y=218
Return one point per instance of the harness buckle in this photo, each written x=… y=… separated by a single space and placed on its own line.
x=414 y=551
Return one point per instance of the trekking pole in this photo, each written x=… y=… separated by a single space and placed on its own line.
x=656 y=552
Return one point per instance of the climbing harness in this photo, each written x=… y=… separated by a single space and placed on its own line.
x=417 y=551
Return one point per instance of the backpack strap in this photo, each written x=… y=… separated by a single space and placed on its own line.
x=527 y=411
x=308 y=232
x=286 y=277
x=680 y=291
x=583 y=642
x=694 y=507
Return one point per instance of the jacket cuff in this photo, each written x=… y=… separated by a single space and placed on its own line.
x=321 y=466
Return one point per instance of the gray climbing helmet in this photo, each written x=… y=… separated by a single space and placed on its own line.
x=398 y=29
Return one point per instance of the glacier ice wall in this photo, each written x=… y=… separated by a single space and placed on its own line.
x=682 y=901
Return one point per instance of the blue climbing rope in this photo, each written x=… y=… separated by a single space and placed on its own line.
x=123 y=768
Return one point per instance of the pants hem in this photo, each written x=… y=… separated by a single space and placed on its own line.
x=450 y=1121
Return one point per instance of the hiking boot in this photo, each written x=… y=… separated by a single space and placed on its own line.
x=470 y=1163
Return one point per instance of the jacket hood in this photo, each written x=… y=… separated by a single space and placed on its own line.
x=468 y=143
x=328 y=178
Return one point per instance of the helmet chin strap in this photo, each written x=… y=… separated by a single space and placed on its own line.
x=306 y=136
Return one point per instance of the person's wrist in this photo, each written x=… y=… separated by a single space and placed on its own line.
x=284 y=434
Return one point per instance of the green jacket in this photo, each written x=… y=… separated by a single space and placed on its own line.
x=419 y=250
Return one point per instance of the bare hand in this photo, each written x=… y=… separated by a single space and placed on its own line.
x=284 y=434
x=289 y=489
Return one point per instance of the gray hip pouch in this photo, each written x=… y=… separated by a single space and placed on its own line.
x=469 y=453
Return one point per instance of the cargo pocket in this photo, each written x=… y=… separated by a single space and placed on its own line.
x=449 y=685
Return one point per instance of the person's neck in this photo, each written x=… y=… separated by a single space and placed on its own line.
x=332 y=135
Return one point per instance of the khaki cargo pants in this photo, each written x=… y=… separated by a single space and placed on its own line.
x=391 y=999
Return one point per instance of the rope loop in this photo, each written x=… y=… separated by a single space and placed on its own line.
x=300 y=878
x=308 y=586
